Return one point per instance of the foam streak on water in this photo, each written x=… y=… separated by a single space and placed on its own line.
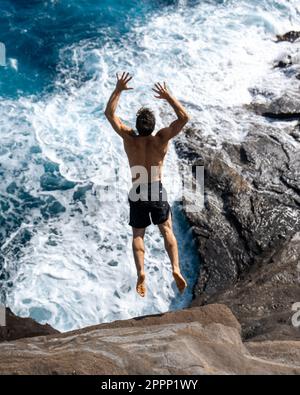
x=69 y=255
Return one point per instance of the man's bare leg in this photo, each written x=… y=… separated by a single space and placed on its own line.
x=139 y=253
x=172 y=250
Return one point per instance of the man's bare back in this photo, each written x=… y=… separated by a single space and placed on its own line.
x=146 y=153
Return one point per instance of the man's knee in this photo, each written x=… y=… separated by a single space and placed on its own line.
x=166 y=228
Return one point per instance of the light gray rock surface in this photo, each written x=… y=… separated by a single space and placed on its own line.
x=200 y=344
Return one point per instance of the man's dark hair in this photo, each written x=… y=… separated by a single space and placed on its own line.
x=145 y=121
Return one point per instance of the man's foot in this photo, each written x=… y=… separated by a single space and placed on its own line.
x=141 y=285
x=180 y=281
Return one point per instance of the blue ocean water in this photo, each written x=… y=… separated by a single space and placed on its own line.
x=65 y=254
x=35 y=31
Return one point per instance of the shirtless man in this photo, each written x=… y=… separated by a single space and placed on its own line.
x=146 y=153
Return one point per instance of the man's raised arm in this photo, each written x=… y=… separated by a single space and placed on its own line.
x=182 y=116
x=110 y=111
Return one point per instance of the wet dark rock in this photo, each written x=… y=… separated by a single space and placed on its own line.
x=296 y=134
x=291 y=36
x=286 y=108
x=282 y=116
x=251 y=213
x=263 y=299
x=19 y=328
x=288 y=61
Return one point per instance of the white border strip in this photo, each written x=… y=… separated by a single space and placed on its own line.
x=2 y=316
x=2 y=55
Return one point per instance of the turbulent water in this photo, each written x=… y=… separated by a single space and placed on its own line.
x=65 y=252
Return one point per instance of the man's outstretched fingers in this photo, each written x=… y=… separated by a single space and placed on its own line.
x=157 y=87
x=123 y=80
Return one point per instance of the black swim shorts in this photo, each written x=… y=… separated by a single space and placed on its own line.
x=148 y=201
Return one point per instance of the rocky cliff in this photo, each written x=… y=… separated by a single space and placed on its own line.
x=18 y=328
x=248 y=231
x=199 y=340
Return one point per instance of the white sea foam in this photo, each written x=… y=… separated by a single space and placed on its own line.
x=83 y=273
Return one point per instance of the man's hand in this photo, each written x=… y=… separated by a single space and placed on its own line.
x=162 y=91
x=110 y=111
x=122 y=82
x=182 y=116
